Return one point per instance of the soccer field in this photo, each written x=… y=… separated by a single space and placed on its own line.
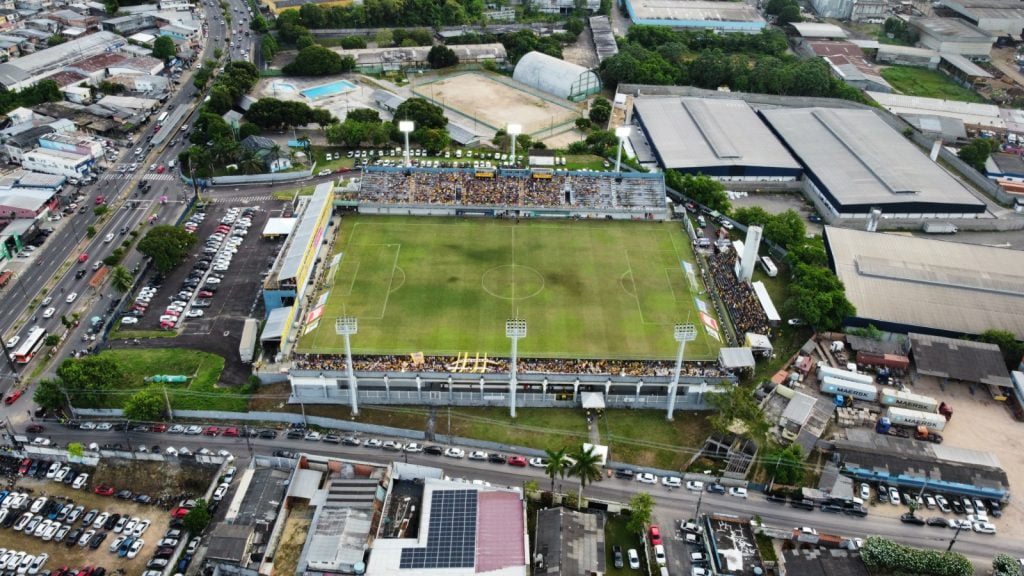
x=587 y=289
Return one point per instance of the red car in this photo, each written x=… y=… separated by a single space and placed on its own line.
x=100 y=200
x=25 y=465
x=83 y=256
x=655 y=534
x=159 y=428
x=13 y=397
x=231 y=431
x=179 y=512
x=205 y=294
x=517 y=461
x=211 y=431
x=34 y=429
x=160 y=169
x=104 y=490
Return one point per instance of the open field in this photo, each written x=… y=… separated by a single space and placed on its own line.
x=927 y=83
x=587 y=289
x=475 y=95
x=646 y=438
x=541 y=428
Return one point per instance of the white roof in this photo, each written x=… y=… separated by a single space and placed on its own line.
x=279 y=226
x=303 y=235
x=766 y=301
x=277 y=324
x=553 y=75
x=969 y=112
x=736 y=357
x=817 y=30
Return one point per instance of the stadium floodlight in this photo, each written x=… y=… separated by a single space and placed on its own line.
x=514 y=130
x=622 y=132
x=405 y=127
x=514 y=329
x=683 y=333
x=347 y=326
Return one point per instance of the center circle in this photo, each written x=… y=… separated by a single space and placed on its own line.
x=512 y=282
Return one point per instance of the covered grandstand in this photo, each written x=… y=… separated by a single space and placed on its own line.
x=855 y=162
x=721 y=138
x=289 y=277
x=556 y=77
x=504 y=192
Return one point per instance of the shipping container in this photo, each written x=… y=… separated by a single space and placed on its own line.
x=904 y=417
x=247 y=345
x=894 y=361
x=908 y=400
x=838 y=374
x=858 y=390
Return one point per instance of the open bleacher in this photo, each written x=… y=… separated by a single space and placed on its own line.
x=497 y=192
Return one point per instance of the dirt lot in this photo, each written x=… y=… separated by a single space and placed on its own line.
x=61 y=555
x=170 y=480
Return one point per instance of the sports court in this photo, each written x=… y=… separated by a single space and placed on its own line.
x=496 y=103
x=445 y=286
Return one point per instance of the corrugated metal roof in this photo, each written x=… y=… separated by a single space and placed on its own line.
x=303 y=234
x=818 y=30
x=277 y=324
x=969 y=112
x=964 y=65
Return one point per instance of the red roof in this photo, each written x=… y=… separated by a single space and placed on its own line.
x=499 y=531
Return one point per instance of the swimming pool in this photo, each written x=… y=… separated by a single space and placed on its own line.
x=279 y=86
x=327 y=90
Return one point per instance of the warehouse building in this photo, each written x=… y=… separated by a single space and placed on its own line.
x=556 y=76
x=848 y=63
x=907 y=56
x=701 y=14
x=999 y=17
x=854 y=10
x=954 y=36
x=854 y=163
x=722 y=138
x=972 y=114
x=904 y=284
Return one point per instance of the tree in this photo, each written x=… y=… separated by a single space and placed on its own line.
x=885 y=556
x=586 y=466
x=700 y=188
x=433 y=139
x=56 y=40
x=441 y=56
x=1005 y=565
x=76 y=449
x=198 y=518
x=304 y=41
x=1012 y=350
x=315 y=60
x=600 y=111
x=807 y=254
x=111 y=7
x=86 y=379
x=353 y=42
x=422 y=112
x=786 y=229
x=557 y=465
x=975 y=153
x=641 y=507
x=785 y=465
x=584 y=124
x=789 y=14
x=751 y=216
x=737 y=404
x=48 y=395
x=51 y=340
x=168 y=246
x=163 y=48
x=144 y=406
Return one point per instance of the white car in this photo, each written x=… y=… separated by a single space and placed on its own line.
x=37 y=563
x=478 y=455
x=324 y=172
x=455 y=453
x=413 y=447
x=116 y=544
x=54 y=468
x=40 y=441
x=984 y=527
x=695 y=486
x=659 y=555
x=672 y=481
x=634 y=559
x=140 y=528
x=108 y=238
x=312 y=436
x=129 y=321
x=194 y=430
x=194 y=314
x=646 y=478
x=865 y=492
x=80 y=481
x=13 y=342
x=71 y=297
x=136 y=546
x=219 y=493
x=49 y=312
x=738 y=492
x=171 y=451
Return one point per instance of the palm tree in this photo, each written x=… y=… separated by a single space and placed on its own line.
x=250 y=163
x=121 y=279
x=586 y=467
x=557 y=465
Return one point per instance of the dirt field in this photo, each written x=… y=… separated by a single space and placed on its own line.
x=169 y=479
x=286 y=559
x=474 y=96
x=61 y=555
x=977 y=421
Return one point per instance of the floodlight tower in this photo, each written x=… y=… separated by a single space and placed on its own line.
x=683 y=333
x=622 y=132
x=514 y=130
x=405 y=127
x=347 y=326
x=514 y=329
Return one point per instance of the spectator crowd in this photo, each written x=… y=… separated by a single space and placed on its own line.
x=740 y=301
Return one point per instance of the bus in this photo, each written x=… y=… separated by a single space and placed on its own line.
x=543 y=173
x=163 y=117
x=769 y=267
x=28 y=349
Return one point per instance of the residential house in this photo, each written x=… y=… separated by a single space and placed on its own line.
x=96 y=68
x=129 y=24
x=269 y=152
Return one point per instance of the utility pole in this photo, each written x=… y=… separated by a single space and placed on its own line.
x=167 y=399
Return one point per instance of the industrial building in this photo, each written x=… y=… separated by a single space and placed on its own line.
x=958 y=360
x=848 y=63
x=701 y=14
x=373 y=60
x=854 y=163
x=905 y=284
x=907 y=56
x=854 y=10
x=999 y=17
x=954 y=36
x=57 y=162
x=30 y=68
x=556 y=76
x=718 y=137
x=972 y=114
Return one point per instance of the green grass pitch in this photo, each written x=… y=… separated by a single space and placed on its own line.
x=444 y=286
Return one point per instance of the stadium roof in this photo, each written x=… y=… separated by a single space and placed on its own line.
x=693 y=133
x=961 y=360
x=300 y=239
x=554 y=76
x=858 y=162
x=921 y=284
x=277 y=324
x=969 y=112
x=817 y=30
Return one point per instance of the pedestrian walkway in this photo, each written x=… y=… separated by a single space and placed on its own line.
x=165 y=177
x=241 y=199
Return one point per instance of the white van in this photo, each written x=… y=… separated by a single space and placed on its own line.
x=171 y=164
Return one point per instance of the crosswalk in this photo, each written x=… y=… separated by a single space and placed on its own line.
x=239 y=199
x=148 y=176
x=165 y=177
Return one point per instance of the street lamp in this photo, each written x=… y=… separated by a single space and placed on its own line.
x=514 y=329
x=405 y=127
x=514 y=130
x=347 y=326
x=622 y=132
x=683 y=333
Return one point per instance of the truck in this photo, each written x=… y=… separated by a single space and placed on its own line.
x=908 y=400
x=915 y=418
x=858 y=390
x=940 y=228
x=247 y=346
x=919 y=432
x=835 y=373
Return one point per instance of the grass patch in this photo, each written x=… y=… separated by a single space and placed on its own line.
x=289 y=195
x=646 y=438
x=274 y=398
x=446 y=286
x=927 y=83
x=584 y=162
x=118 y=334
x=615 y=533
x=540 y=428
x=199 y=393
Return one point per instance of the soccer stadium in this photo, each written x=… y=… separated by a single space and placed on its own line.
x=589 y=260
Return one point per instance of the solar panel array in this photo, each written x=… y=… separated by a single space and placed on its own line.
x=451 y=534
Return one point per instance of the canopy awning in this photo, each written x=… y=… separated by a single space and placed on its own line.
x=592 y=400
x=736 y=358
